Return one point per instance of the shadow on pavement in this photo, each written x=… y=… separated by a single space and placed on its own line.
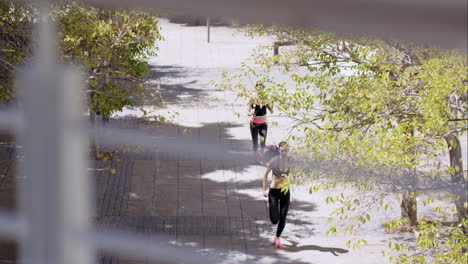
x=166 y=71
x=185 y=93
x=332 y=250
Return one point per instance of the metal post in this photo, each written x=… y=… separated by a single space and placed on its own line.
x=208 y=28
x=275 y=49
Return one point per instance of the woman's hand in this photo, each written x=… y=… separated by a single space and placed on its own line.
x=265 y=193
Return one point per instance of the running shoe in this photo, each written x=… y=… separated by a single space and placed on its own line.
x=278 y=243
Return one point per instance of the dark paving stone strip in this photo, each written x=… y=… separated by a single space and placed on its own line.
x=105 y=188
x=242 y=229
x=116 y=198
x=128 y=181
x=99 y=180
x=124 y=187
x=109 y=188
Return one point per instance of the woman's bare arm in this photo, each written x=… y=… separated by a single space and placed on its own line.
x=270 y=108
x=249 y=107
x=265 y=180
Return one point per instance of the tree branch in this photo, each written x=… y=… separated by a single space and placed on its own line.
x=4 y=62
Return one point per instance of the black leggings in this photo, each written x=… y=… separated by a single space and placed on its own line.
x=279 y=205
x=258 y=129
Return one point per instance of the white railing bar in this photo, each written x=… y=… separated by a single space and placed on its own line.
x=10 y=120
x=197 y=148
x=188 y=144
x=55 y=195
x=12 y=226
x=122 y=243
x=428 y=21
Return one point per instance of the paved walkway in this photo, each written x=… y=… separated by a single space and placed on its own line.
x=213 y=205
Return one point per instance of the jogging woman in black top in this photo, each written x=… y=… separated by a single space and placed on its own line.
x=278 y=201
x=258 y=123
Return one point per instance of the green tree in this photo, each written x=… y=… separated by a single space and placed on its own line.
x=367 y=108
x=113 y=46
x=15 y=48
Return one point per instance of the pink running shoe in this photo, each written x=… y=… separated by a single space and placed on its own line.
x=278 y=243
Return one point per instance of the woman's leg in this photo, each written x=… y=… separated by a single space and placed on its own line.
x=254 y=133
x=284 y=206
x=263 y=130
x=273 y=202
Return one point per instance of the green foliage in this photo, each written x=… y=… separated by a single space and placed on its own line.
x=434 y=244
x=15 y=46
x=356 y=244
x=389 y=109
x=113 y=46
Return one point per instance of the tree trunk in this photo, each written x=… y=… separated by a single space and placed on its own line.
x=456 y=175
x=94 y=142
x=92 y=117
x=409 y=207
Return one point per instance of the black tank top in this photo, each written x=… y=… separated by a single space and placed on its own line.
x=260 y=110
